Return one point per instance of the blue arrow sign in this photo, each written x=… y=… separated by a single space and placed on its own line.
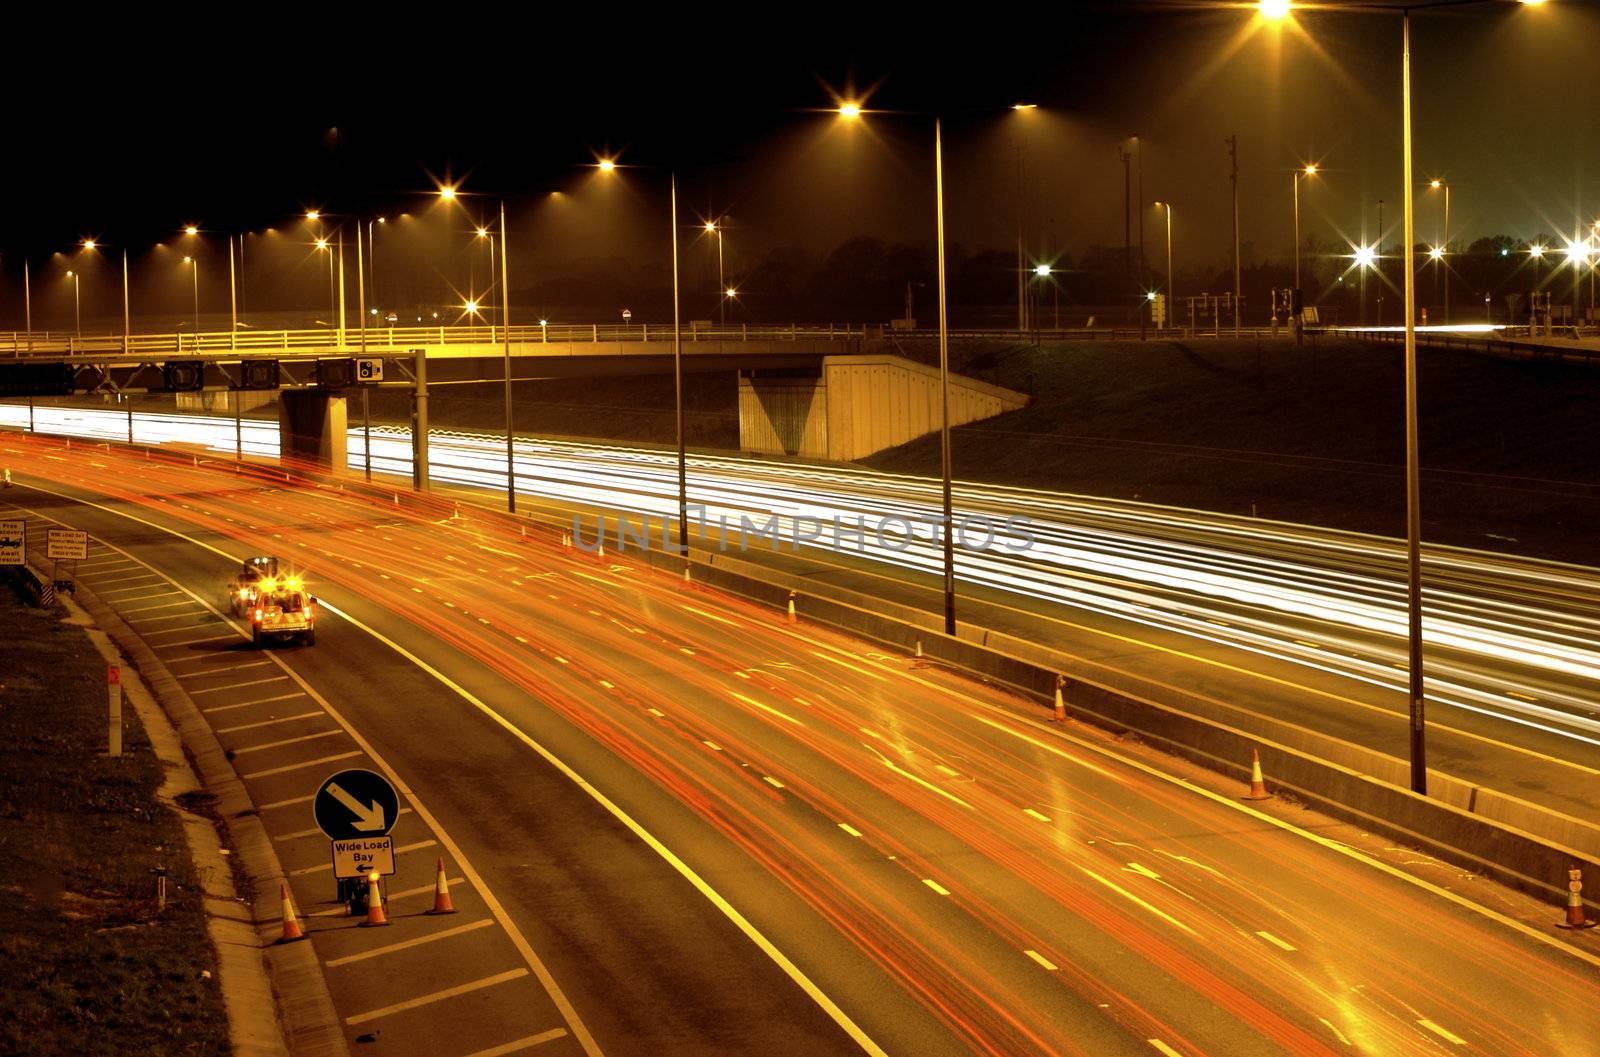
x=356 y=803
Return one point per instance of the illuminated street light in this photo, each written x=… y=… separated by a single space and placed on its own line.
x=1273 y=9
x=322 y=244
x=732 y=293
x=194 y=271
x=1025 y=106
x=471 y=307
x=1364 y=256
x=483 y=233
x=1536 y=251
x=1436 y=253
x=447 y=192
x=606 y=164
x=1042 y=271
x=77 y=307
x=312 y=214
x=849 y=110
x=191 y=230
x=88 y=244
x=1296 y=308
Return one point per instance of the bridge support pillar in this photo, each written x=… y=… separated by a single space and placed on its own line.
x=312 y=428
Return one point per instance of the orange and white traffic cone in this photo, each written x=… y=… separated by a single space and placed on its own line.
x=1575 y=917
x=375 y=914
x=441 y=894
x=291 y=927
x=1258 y=785
x=792 y=616
x=1061 y=706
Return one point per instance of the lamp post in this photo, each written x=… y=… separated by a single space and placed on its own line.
x=851 y=111
x=77 y=309
x=1440 y=185
x=505 y=325
x=1172 y=290
x=609 y=165
x=715 y=229
x=1297 y=297
x=194 y=274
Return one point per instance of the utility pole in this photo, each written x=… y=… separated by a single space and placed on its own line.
x=1233 y=175
x=1377 y=261
x=1127 y=222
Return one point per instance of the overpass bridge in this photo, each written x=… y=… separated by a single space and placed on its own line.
x=818 y=392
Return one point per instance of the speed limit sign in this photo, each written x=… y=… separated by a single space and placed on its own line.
x=369 y=369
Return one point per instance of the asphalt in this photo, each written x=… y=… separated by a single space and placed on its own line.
x=710 y=826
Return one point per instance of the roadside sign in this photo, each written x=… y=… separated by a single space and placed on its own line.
x=66 y=545
x=369 y=369
x=362 y=855
x=354 y=804
x=13 y=543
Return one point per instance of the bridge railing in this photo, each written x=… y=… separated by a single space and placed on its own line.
x=350 y=340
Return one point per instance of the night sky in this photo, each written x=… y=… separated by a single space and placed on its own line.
x=354 y=119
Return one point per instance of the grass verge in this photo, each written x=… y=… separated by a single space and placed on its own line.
x=91 y=965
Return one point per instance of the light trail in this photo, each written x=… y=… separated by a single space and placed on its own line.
x=1507 y=639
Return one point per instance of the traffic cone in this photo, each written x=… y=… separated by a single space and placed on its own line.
x=441 y=894
x=917 y=661
x=791 y=607
x=291 y=928
x=1258 y=785
x=1575 y=918
x=687 y=579
x=375 y=914
x=1061 y=706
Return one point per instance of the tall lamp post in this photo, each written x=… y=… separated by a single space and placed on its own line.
x=194 y=274
x=715 y=229
x=851 y=111
x=1277 y=10
x=609 y=165
x=1172 y=290
x=1440 y=185
x=1297 y=297
x=77 y=307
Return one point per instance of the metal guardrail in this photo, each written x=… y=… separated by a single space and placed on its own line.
x=22 y=343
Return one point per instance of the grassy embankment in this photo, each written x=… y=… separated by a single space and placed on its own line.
x=90 y=966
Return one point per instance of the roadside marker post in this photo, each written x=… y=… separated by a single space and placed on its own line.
x=1575 y=914
x=114 y=699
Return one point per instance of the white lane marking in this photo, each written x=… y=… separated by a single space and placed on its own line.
x=1443 y=1032
x=1275 y=941
x=608 y=684
x=286 y=741
x=146 y=635
x=218 y=671
x=793 y=971
x=252 y=704
x=1142 y=871
x=849 y=829
x=1163 y=1048
x=153 y=620
x=307 y=871
x=191 y=642
x=124 y=579
x=713 y=746
x=1042 y=960
x=268 y=722
x=772 y=781
x=936 y=886
x=286 y=803
x=1031 y=813
x=437 y=996
x=1151 y=907
x=845 y=664
x=235 y=686
x=522 y=1044
x=709 y=616
x=656 y=712
x=766 y=708
x=146 y=609
x=127 y=590
x=298 y=766
x=416 y=941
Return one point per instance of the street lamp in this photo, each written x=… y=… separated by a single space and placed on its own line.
x=77 y=309
x=609 y=165
x=1172 y=293
x=713 y=228
x=194 y=272
x=850 y=110
x=1298 y=296
x=1444 y=245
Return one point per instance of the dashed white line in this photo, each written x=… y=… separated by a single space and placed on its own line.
x=1275 y=941
x=849 y=829
x=269 y=722
x=936 y=886
x=1042 y=960
x=439 y=996
x=1444 y=1033
x=287 y=741
x=522 y=1044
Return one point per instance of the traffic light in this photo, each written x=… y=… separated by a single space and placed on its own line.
x=258 y=374
x=184 y=376
x=336 y=373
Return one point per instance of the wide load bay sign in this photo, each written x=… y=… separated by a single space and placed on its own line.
x=357 y=808
x=13 y=543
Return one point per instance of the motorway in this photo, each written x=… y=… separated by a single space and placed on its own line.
x=1299 y=623
x=679 y=825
